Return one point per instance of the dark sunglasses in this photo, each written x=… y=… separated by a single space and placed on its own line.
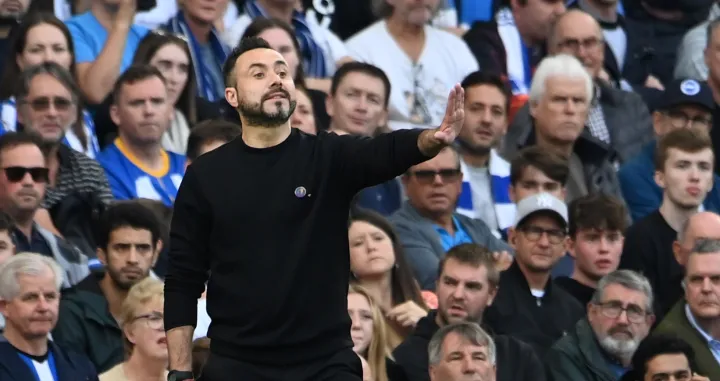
x=16 y=174
x=428 y=176
x=43 y=103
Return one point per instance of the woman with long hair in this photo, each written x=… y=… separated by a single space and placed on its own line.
x=42 y=37
x=378 y=264
x=368 y=331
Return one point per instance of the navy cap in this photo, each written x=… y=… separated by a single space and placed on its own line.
x=686 y=92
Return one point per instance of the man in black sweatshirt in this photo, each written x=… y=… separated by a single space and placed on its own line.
x=266 y=215
x=467 y=283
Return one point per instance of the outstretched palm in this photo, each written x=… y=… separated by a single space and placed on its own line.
x=454 y=116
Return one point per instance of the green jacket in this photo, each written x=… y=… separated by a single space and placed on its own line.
x=86 y=325
x=578 y=357
x=677 y=323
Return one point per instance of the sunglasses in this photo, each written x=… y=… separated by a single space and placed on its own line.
x=16 y=174
x=43 y=103
x=428 y=176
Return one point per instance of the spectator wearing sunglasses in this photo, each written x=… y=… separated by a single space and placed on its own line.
x=23 y=180
x=427 y=223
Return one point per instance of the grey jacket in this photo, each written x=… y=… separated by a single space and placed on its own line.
x=68 y=257
x=577 y=356
x=422 y=246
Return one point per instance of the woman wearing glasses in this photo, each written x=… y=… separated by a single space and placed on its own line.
x=41 y=37
x=141 y=321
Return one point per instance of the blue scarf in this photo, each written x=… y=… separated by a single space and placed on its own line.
x=207 y=86
x=312 y=55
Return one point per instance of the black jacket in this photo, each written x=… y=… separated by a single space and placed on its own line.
x=516 y=361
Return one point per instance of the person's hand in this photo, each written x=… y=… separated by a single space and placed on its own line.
x=603 y=75
x=406 y=314
x=454 y=116
x=654 y=83
x=503 y=260
x=126 y=12
x=697 y=377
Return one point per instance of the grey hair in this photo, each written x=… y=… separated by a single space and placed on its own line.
x=628 y=279
x=49 y=68
x=710 y=30
x=706 y=246
x=469 y=331
x=561 y=65
x=30 y=264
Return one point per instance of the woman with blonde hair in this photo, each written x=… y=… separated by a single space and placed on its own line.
x=141 y=321
x=368 y=331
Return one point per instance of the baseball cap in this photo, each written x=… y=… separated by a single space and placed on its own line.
x=541 y=202
x=686 y=91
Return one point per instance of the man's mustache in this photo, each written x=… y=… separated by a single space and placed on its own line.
x=273 y=93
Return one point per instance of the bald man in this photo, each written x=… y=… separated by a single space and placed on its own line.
x=618 y=118
x=700 y=225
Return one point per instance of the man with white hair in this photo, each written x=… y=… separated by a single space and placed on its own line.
x=560 y=97
x=29 y=299
x=469 y=344
x=601 y=347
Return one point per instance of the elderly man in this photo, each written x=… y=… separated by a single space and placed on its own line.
x=29 y=300
x=601 y=347
x=461 y=351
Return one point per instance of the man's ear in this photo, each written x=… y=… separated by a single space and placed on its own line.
x=158 y=249
x=101 y=256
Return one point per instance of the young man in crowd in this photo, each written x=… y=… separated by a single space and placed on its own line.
x=128 y=246
x=595 y=241
x=208 y=135
x=662 y=356
x=684 y=170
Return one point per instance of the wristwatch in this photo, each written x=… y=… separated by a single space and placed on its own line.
x=180 y=375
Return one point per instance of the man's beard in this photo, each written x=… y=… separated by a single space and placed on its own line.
x=256 y=116
x=473 y=149
x=622 y=349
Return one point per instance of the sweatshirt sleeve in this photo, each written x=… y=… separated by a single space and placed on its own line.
x=188 y=259
x=362 y=162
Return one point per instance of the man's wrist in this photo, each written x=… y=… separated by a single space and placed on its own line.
x=428 y=144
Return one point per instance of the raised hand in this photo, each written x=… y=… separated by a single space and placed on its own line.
x=454 y=116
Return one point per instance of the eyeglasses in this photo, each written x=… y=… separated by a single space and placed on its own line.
x=153 y=321
x=574 y=44
x=16 y=174
x=533 y=233
x=679 y=119
x=428 y=176
x=40 y=104
x=613 y=310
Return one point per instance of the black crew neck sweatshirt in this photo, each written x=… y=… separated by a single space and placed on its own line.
x=271 y=227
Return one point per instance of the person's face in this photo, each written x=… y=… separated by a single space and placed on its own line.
x=303 y=117
x=414 y=12
x=205 y=148
x=174 y=64
x=462 y=361
x=33 y=312
x=580 y=35
x=23 y=179
x=668 y=367
x=371 y=250
x=539 y=242
x=362 y=322
x=702 y=285
x=282 y=42
x=561 y=112
x=684 y=116
x=13 y=8
x=434 y=186
x=143 y=111
x=264 y=92
x=533 y=181
x=620 y=334
x=147 y=333
x=701 y=225
x=463 y=292
x=485 y=118
x=535 y=18
x=687 y=177
x=129 y=256
x=205 y=11
x=45 y=43
x=358 y=105
x=49 y=109
x=596 y=252
x=7 y=247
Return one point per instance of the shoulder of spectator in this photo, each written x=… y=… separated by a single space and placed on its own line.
x=232 y=35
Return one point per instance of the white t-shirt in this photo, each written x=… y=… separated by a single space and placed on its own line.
x=419 y=90
x=203 y=320
x=482 y=198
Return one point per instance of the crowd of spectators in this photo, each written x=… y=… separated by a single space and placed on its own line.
x=571 y=234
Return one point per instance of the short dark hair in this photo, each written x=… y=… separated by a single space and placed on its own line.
x=127 y=214
x=210 y=131
x=597 y=211
x=473 y=255
x=657 y=345
x=684 y=139
x=12 y=139
x=134 y=74
x=553 y=165
x=480 y=77
x=364 y=68
x=7 y=224
x=245 y=45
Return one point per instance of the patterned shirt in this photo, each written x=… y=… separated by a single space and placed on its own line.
x=77 y=174
x=596 y=119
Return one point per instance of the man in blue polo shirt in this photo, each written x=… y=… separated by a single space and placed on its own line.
x=684 y=104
